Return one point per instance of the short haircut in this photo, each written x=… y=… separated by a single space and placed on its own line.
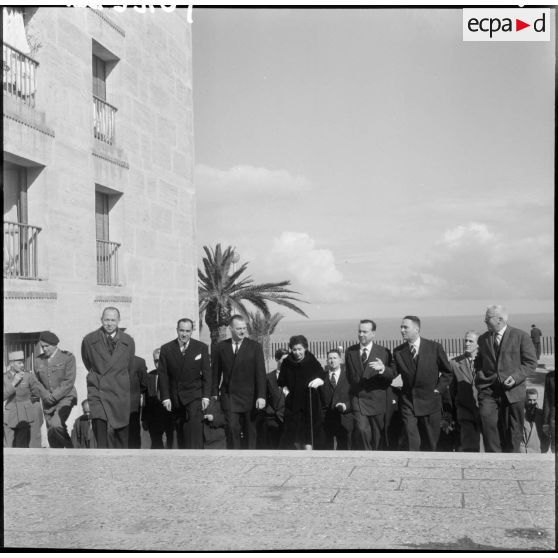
x=237 y=317
x=532 y=391
x=336 y=351
x=185 y=320
x=371 y=322
x=498 y=310
x=280 y=353
x=112 y=308
x=298 y=340
x=84 y=401
x=472 y=332
x=414 y=319
x=533 y=325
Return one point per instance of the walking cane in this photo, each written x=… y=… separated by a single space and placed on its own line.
x=311 y=419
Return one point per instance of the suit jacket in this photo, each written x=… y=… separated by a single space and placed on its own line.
x=17 y=400
x=242 y=375
x=138 y=383
x=430 y=371
x=186 y=377
x=549 y=401
x=330 y=396
x=108 y=378
x=516 y=358
x=275 y=408
x=463 y=390
x=368 y=387
x=57 y=377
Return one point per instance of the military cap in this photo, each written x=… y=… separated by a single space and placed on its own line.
x=16 y=355
x=49 y=337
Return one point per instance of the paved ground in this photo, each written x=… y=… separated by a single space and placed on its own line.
x=241 y=500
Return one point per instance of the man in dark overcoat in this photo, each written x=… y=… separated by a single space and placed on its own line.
x=185 y=384
x=108 y=356
x=239 y=374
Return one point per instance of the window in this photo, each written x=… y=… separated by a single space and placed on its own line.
x=107 y=251
x=21 y=248
x=104 y=113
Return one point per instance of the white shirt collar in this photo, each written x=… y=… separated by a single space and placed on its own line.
x=367 y=347
x=500 y=333
x=415 y=343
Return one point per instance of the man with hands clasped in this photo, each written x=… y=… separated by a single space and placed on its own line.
x=370 y=372
x=336 y=407
x=239 y=375
x=185 y=384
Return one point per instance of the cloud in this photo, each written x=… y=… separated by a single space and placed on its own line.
x=243 y=182
x=312 y=269
x=471 y=261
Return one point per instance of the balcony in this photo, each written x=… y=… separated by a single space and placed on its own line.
x=107 y=262
x=19 y=75
x=21 y=250
x=104 y=115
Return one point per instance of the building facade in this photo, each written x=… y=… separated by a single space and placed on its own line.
x=99 y=202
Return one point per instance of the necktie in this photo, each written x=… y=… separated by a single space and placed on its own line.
x=111 y=342
x=332 y=379
x=496 y=342
x=364 y=357
x=183 y=349
x=235 y=348
x=413 y=352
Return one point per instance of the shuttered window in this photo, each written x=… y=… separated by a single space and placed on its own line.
x=99 y=78
x=102 y=216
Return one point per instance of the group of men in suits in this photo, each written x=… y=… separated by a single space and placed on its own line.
x=486 y=386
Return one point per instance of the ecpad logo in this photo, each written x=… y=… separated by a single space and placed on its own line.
x=499 y=24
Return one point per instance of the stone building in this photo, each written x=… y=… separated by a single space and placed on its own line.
x=99 y=202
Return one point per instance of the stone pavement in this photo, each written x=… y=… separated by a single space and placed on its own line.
x=266 y=500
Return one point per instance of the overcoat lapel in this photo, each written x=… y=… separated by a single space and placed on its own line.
x=99 y=346
x=357 y=365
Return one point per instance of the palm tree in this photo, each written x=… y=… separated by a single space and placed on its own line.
x=261 y=328
x=220 y=292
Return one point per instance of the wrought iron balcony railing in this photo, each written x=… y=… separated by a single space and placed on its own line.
x=21 y=250
x=19 y=77
x=104 y=116
x=107 y=262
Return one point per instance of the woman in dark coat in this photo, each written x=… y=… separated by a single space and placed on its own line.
x=300 y=374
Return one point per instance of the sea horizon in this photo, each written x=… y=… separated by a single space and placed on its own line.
x=388 y=327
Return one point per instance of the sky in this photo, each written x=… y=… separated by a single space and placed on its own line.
x=374 y=159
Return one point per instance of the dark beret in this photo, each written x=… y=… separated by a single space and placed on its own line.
x=49 y=337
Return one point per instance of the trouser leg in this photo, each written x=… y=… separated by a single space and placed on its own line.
x=100 y=432
x=411 y=427
x=22 y=435
x=430 y=426
x=469 y=435
x=488 y=409
x=57 y=433
x=513 y=416
x=117 y=437
x=192 y=426
x=363 y=431
x=377 y=429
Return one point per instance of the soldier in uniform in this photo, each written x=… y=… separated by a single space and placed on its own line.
x=56 y=372
x=19 y=413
